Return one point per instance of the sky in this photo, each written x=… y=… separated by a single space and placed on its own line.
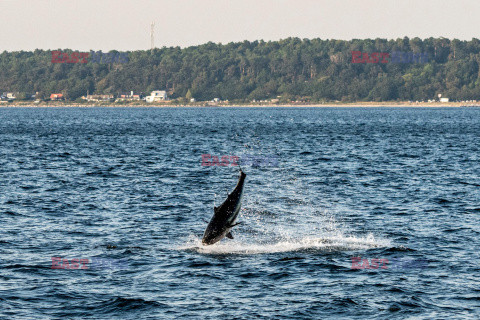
x=125 y=24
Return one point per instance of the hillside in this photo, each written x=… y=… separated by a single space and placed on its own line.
x=308 y=70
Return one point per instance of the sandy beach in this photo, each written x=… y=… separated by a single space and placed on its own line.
x=402 y=104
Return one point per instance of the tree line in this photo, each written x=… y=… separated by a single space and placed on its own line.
x=312 y=70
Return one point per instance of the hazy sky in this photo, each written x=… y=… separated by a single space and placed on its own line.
x=125 y=24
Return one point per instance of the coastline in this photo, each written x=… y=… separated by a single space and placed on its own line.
x=402 y=104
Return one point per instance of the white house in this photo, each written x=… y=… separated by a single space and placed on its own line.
x=444 y=99
x=157 y=96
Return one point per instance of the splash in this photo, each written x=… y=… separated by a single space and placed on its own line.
x=286 y=217
x=328 y=244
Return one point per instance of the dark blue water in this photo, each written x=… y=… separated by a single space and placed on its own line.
x=127 y=186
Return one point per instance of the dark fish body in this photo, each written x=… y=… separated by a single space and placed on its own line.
x=225 y=215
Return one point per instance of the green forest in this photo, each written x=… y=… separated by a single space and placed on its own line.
x=291 y=69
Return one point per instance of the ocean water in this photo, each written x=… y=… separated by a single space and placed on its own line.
x=370 y=213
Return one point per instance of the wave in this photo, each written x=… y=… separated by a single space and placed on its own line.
x=120 y=304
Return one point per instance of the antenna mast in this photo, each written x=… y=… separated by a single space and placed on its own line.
x=152 y=37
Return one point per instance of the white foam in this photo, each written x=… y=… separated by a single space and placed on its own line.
x=329 y=243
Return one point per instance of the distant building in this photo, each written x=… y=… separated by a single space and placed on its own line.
x=10 y=95
x=56 y=96
x=130 y=97
x=444 y=99
x=99 y=97
x=157 y=96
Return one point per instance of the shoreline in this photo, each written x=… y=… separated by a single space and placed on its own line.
x=404 y=104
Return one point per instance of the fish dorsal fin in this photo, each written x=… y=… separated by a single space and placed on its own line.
x=229 y=235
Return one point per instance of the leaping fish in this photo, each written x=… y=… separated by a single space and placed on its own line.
x=225 y=215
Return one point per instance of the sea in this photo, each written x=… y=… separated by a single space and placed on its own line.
x=365 y=213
